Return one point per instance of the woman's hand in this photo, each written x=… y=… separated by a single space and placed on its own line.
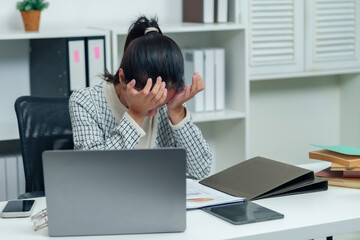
x=175 y=106
x=141 y=102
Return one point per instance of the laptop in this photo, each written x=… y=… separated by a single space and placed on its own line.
x=97 y=192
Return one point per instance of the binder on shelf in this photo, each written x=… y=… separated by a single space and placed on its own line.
x=77 y=63
x=194 y=62
x=201 y=11
x=96 y=59
x=209 y=77
x=61 y=65
x=219 y=79
x=221 y=11
x=49 y=75
x=260 y=177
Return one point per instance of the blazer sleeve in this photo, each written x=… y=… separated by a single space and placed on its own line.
x=187 y=135
x=88 y=125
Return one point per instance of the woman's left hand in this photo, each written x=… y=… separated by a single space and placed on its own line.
x=175 y=106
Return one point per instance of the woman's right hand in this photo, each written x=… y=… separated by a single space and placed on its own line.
x=141 y=102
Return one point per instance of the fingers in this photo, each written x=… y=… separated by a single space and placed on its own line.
x=158 y=85
x=130 y=87
x=147 y=87
x=163 y=98
x=187 y=92
x=197 y=85
x=201 y=82
x=160 y=93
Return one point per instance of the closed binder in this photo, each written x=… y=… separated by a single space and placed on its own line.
x=49 y=68
x=219 y=79
x=221 y=11
x=194 y=62
x=260 y=177
x=77 y=63
x=96 y=60
x=209 y=77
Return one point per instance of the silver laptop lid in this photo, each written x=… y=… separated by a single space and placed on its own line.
x=115 y=191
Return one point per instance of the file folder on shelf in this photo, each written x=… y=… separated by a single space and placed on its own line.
x=209 y=77
x=221 y=11
x=77 y=63
x=260 y=177
x=61 y=65
x=194 y=62
x=219 y=79
x=96 y=59
x=49 y=76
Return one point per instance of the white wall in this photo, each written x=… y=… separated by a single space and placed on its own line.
x=83 y=13
x=287 y=115
x=350 y=110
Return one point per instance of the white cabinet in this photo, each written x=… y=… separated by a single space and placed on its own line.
x=299 y=37
x=225 y=130
x=276 y=36
x=333 y=34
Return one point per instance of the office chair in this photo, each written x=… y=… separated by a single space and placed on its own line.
x=44 y=124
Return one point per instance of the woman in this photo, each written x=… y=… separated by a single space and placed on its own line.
x=141 y=106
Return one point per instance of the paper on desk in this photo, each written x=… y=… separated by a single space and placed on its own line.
x=198 y=195
x=348 y=150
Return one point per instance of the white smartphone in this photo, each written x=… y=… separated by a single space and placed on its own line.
x=18 y=208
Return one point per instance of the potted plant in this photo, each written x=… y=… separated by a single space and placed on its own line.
x=30 y=12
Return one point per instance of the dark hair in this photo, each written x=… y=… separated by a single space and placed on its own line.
x=148 y=56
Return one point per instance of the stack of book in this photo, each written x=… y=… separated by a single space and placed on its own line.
x=345 y=165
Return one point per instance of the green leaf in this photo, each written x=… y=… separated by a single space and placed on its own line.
x=30 y=5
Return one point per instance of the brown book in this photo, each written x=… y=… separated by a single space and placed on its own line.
x=200 y=11
x=336 y=178
x=261 y=177
x=338 y=167
x=330 y=156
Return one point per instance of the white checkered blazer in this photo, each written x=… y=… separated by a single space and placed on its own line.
x=94 y=127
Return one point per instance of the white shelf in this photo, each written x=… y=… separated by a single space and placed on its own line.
x=217 y=116
x=182 y=28
x=50 y=33
x=303 y=74
x=201 y=27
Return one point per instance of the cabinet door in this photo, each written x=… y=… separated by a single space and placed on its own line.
x=276 y=36
x=332 y=37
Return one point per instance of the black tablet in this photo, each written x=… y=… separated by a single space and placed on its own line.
x=243 y=212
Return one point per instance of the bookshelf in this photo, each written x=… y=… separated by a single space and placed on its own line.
x=15 y=61
x=226 y=131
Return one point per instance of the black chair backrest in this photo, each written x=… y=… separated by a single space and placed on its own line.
x=44 y=124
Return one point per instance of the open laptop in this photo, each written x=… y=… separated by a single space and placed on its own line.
x=100 y=192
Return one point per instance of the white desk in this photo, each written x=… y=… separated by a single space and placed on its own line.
x=307 y=216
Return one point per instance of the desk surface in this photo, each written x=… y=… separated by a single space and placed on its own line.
x=307 y=216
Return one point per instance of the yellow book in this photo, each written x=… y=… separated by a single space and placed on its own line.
x=330 y=156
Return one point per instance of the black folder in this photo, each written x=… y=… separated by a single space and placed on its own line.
x=260 y=177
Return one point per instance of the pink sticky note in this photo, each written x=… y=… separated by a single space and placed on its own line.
x=76 y=56
x=97 y=52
